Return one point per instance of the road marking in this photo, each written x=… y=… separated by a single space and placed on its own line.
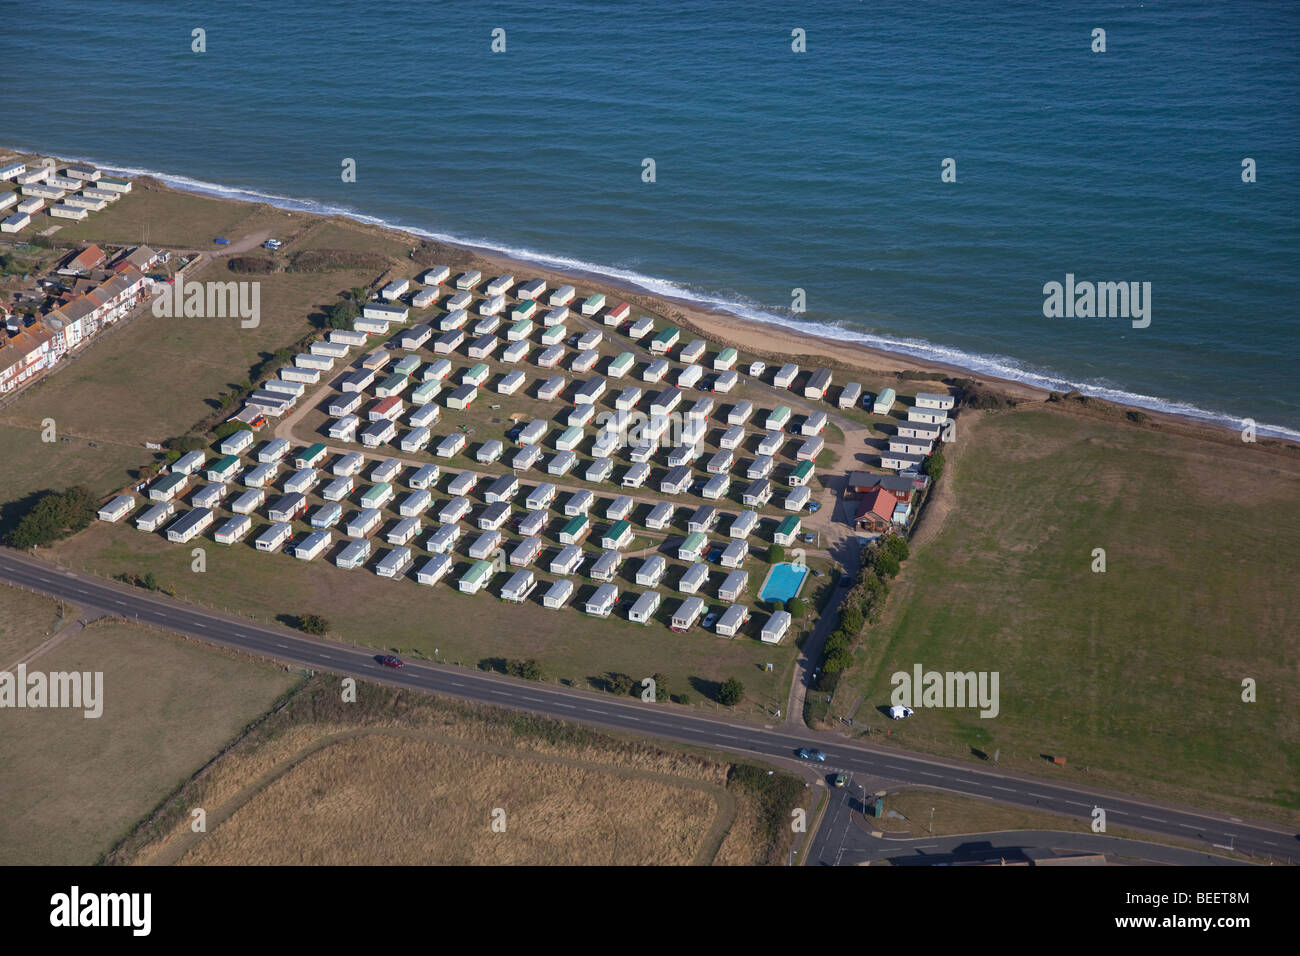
x=1007 y=789
x=1039 y=796
x=924 y=774
x=1188 y=826
x=1155 y=819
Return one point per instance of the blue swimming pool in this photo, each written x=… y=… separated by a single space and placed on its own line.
x=783 y=582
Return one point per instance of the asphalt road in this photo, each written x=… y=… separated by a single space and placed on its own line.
x=659 y=720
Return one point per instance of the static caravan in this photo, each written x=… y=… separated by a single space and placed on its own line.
x=801 y=474
x=618 y=536
x=15 y=223
x=554 y=318
x=734 y=554
x=502 y=490
x=705 y=519
x=636 y=476
x=562 y=463
x=473 y=580
x=249 y=501
x=448 y=342
x=348 y=464
x=619 y=508
x=533 y=523
x=425 y=477
x=434 y=570
x=677 y=481
x=489 y=452
x=224 y=469
x=700 y=410
x=302 y=480
x=771 y=443
x=720 y=463
x=519 y=331
x=450 y=324
x=235 y=443
x=725 y=360
x=288 y=507
x=580 y=415
x=551 y=388
x=511 y=382
x=189 y=463
x=617 y=314
x=345 y=404
x=757 y=494
x=362 y=523
x=601 y=604
x=378 y=495
x=189 y=526
x=403 y=531
x=740 y=412
x=901 y=461
x=620 y=365
x=261 y=475
x=817 y=384
x=641 y=328
x=415 y=336
x=358 y=381
x=500 y=285
x=369 y=326
x=117 y=509
x=524 y=310
x=385 y=313
x=567 y=560
x=415 y=439
x=322 y=363
x=775 y=628
x=569 y=439
x=643 y=451
x=934 y=400
x=814 y=424
x=435 y=276
x=850 y=395
x=690 y=376
x=385 y=409
x=530 y=289
x=732 y=439
x=693 y=578
x=444 y=538
x=778 y=418
x=526 y=551
x=599 y=470
x=562 y=296
x=812 y=447
x=660 y=516
x=273 y=450
x=348 y=338
x=787 y=532
x=687 y=613
x=515 y=351
x=394 y=563
x=481 y=348
x=338 y=489
x=924 y=430
x=655 y=371
x=483 y=328
x=584 y=361
x=743 y=525
x=785 y=375
x=492 y=305
x=589 y=392
x=532 y=433
x=726 y=381
x=416 y=503
x=281 y=387
x=353 y=555
x=643 y=610
x=550 y=357
x=605 y=567
x=344 y=429
x=424 y=298
x=559 y=593
x=606 y=443
x=326 y=516
x=579 y=503
x=208 y=496
x=692 y=547
x=931 y=416
x=626 y=400
x=468 y=279
x=760 y=467
x=274 y=536
x=884 y=402
x=541 y=496
x=520 y=585
x=423 y=416
x=376 y=360
x=911 y=446
x=334 y=350
x=797 y=498
x=651 y=571
x=454 y=510
x=463 y=395
x=462 y=484
x=592 y=304
x=156 y=515
x=716 y=487
x=666 y=401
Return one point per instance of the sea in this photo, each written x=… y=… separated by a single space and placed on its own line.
x=909 y=175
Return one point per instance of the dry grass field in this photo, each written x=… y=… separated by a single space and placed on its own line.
x=27 y=620
x=403 y=779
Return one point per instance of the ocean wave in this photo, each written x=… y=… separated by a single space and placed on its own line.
x=993 y=365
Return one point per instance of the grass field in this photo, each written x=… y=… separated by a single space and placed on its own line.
x=162 y=217
x=1134 y=675
x=401 y=778
x=72 y=786
x=26 y=620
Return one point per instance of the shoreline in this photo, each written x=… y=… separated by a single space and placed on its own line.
x=719 y=320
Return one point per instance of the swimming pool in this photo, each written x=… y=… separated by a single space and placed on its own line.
x=783 y=582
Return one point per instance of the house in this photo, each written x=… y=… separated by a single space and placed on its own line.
x=434 y=570
x=274 y=536
x=425 y=298
x=494 y=516
x=562 y=296
x=687 y=613
x=386 y=470
x=813 y=424
x=734 y=585
x=567 y=560
x=884 y=402
x=875 y=511
x=386 y=408
x=520 y=585
x=602 y=602
x=354 y=554
x=435 y=275
x=930 y=431
x=117 y=509
x=569 y=439
x=692 y=547
x=787 y=532
x=660 y=516
x=704 y=519
x=732 y=620
x=684 y=454
x=620 y=365
x=384 y=313
x=558 y=594
x=775 y=628
x=720 y=463
x=817 y=384
x=716 y=487
x=552 y=387
x=473 y=580
x=189 y=526
x=491 y=306
x=785 y=375
x=449 y=325
x=731 y=439
x=618 y=536
x=606 y=566
x=580 y=415
x=362 y=523
x=156 y=515
x=345 y=404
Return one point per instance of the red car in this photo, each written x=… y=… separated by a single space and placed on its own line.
x=389 y=660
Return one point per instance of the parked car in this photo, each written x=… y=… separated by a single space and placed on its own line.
x=898 y=713
x=271 y=244
x=389 y=660
x=814 y=507
x=221 y=241
x=710 y=619
x=840 y=780
x=809 y=537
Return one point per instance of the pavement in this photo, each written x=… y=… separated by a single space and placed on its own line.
x=643 y=720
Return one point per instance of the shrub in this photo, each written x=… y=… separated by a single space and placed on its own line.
x=226 y=429
x=251 y=264
x=797 y=607
x=312 y=624
x=731 y=692
x=55 y=515
x=528 y=670
x=933 y=466
x=185 y=443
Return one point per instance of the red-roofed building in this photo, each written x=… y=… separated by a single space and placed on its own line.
x=92 y=257
x=876 y=511
x=23 y=354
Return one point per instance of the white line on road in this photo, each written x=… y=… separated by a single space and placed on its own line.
x=1007 y=789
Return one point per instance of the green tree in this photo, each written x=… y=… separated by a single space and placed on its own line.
x=661 y=686
x=55 y=515
x=151 y=581
x=731 y=692
x=313 y=624
x=933 y=466
x=797 y=607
